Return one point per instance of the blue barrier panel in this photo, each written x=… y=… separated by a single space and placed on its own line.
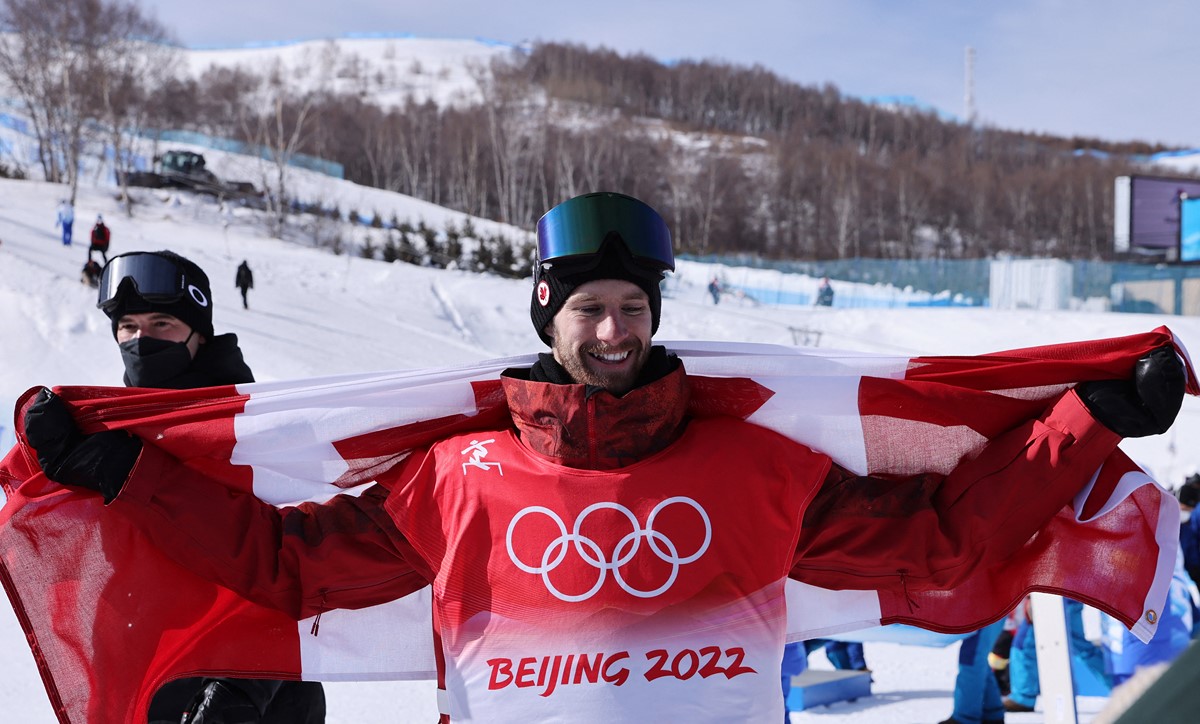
x=819 y=687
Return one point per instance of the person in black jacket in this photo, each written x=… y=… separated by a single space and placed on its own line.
x=244 y=281
x=825 y=293
x=160 y=305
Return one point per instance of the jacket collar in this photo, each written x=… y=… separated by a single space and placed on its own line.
x=582 y=427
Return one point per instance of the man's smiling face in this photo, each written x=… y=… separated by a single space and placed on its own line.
x=602 y=334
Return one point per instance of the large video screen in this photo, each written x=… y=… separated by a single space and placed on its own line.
x=1189 y=230
x=1153 y=204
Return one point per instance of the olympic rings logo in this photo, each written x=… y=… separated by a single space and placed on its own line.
x=592 y=554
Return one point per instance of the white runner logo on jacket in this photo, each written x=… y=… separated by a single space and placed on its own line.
x=478 y=453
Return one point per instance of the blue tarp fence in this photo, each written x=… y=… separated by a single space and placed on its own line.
x=1128 y=287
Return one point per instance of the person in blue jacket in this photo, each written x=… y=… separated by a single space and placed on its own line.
x=1189 y=526
x=1189 y=539
x=65 y=219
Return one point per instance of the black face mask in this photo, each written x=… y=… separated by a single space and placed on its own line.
x=151 y=362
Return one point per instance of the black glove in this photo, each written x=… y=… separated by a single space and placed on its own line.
x=101 y=461
x=221 y=702
x=1144 y=405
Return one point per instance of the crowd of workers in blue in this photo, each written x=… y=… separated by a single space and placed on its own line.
x=997 y=665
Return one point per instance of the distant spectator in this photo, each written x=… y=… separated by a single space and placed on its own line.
x=91 y=273
x=244 y=281
x=1189 y=525
x=825 y=293
x=66 y=219
x=100 y=238
x=714 y=288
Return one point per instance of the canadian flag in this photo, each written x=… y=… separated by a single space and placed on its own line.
x=110 y=618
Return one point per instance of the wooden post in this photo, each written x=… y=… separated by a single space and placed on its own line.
x=1054 y=659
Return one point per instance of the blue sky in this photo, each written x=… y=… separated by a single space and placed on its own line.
x=1107 y=68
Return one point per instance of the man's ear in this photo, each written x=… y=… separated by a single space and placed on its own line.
x=548 y=330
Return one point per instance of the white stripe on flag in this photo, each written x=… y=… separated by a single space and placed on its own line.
x=1166 y=534
x=391 y=641
x=837 y=431
x=1128 y=483
x=285 y=435
x=803 y=381
x=813 y=612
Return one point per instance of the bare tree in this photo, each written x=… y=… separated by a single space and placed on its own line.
x=282 y=132
x=380 y=146
x=136 y=59
x=517 y=132
x=40 y=61
x=463 y=152
x=279 y=132
x=62 y=59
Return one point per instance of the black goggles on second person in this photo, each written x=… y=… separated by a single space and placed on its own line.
x=155 y=278
x=579 y=226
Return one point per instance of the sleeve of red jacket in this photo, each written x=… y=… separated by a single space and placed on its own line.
x=931 y=531
x=345 y=553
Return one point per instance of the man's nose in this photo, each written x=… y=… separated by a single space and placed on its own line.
x=612 y=328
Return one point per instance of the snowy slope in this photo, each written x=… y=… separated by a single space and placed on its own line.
x=389 y=70
x=313 y=313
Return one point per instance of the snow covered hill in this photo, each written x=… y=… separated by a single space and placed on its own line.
x=388 y=70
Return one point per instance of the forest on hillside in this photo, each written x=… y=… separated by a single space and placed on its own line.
x=738 y=159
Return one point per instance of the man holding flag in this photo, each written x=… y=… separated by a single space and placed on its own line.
x=167 y=342
x=609 y=537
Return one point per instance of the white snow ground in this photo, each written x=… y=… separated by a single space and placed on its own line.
x=312 y=313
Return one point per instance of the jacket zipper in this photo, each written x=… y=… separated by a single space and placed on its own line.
x=593 y=455
x=317 y=621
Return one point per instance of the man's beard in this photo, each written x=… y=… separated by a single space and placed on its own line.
x=618 y=382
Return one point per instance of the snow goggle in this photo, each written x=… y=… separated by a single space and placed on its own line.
x=154 y=278
x=579 y=227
